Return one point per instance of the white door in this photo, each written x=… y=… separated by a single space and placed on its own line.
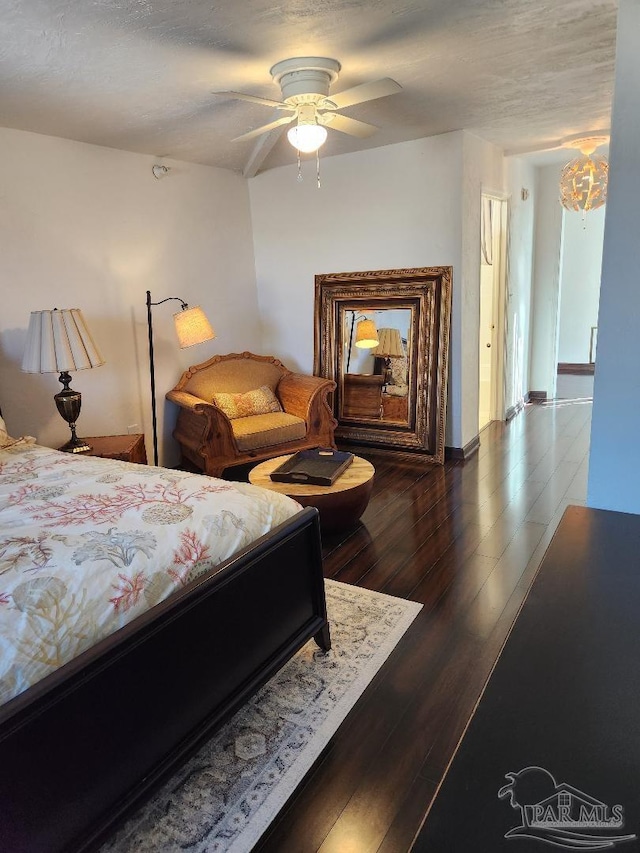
x=492 y=290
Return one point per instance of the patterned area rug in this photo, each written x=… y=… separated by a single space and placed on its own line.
x=225 y=797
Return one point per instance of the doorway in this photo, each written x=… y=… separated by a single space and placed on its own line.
x=579 y=296
x=493 y=255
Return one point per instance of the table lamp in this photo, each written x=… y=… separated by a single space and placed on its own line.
x=389 y=346
x=57 y=342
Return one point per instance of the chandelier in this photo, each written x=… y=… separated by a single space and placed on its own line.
x=583 y=181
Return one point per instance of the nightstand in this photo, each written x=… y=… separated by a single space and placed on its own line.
x=127 y=448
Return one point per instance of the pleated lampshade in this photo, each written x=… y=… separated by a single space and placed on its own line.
x=390 y=345
x=59 y=341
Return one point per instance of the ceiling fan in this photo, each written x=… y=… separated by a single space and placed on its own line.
x=305 y=82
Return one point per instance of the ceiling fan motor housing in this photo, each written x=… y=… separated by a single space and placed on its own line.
x=305 y=79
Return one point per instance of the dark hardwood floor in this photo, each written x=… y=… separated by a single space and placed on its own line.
x=465 y=540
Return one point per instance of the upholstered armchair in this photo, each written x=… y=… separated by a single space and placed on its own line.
x=243 y=407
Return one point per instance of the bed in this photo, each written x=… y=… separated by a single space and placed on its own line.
x=139 y=607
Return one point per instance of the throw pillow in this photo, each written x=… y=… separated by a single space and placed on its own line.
x=262 y=401
x=5 y=440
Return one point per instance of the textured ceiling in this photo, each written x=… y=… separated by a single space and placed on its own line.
x=139 y=74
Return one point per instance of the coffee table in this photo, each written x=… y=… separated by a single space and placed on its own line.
x=339 y=505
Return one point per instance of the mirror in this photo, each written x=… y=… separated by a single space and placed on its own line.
x=383 y=337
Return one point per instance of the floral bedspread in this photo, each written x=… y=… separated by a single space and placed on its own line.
x=87 y=544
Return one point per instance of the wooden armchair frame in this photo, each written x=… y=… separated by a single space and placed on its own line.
x=205 y=433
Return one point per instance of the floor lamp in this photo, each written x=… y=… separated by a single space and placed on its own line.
x=192 y=327
x=366 y=335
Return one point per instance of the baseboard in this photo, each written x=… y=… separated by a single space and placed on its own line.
x=462 y=454
x=576 y=369
x=514 y=410
x=537 y=396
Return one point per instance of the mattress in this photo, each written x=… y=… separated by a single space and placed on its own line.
x=87 y=544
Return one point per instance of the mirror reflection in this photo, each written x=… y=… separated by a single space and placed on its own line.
x=376 y=365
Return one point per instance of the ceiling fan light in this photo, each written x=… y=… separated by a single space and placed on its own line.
x=307 y=138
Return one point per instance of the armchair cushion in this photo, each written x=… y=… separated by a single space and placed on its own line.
x=262 y=401
x=258 y=431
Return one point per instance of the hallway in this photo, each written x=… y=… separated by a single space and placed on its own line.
x=466 y=541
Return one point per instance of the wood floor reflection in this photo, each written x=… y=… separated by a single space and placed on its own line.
x=465 y=540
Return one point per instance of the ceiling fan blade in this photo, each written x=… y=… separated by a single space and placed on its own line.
x=261 y=150
x=347 y=125
x=240 y=96
x=364 y=92
x=265 y=128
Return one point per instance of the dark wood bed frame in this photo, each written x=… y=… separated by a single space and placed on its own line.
x=84 y=746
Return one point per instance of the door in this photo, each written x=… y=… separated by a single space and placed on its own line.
x=492 y=292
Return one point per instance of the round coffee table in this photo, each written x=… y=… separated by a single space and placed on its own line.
x=339 y=505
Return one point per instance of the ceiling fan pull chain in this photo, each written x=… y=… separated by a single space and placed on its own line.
x=299 y=169
x=318 y=167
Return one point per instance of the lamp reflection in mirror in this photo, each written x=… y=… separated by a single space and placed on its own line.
x=192 y=327
x=57 y=342
x=366 y=334
x=390 y=346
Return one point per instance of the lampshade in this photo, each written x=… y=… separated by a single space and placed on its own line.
x=59 y=341
x=583 y=183
x=390 y=345
x=192 y=327
x=307 y=137
x=366 y=334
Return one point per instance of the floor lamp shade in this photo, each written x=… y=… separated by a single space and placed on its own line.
x=58 y=342
x=192 y=327
x=366 y=334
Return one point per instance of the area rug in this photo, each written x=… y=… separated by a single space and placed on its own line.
x=225 y=797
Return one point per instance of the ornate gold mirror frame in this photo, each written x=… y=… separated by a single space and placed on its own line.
x=395 y=396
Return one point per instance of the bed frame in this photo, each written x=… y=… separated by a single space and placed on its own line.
x=84 y=746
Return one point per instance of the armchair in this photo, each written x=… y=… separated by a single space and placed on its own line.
x=212 y=441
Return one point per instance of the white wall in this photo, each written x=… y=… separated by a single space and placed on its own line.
x=405 y=205
x=91 y=228
x=579 y=283
x=614 y=462
x=519 y=175
x=387 y=208
x=546 y=281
